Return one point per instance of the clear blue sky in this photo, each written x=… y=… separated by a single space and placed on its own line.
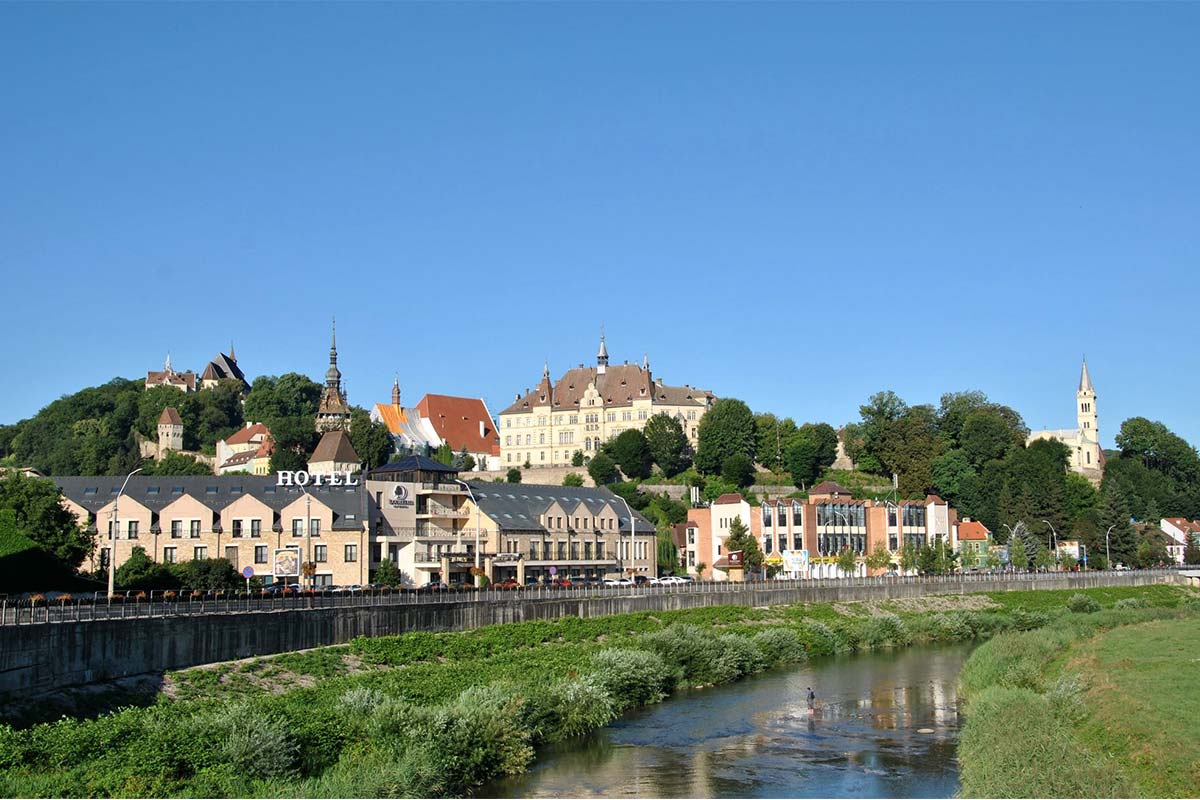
x=796 y=204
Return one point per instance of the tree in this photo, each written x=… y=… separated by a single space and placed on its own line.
x=985 y=436
x=879 y=558
x=295 y=439
x=572 y=479
x=738 y=469
x=290 y=395
x=908 y=447
x=38 y=512
x=801 y=460
x=371 y=440
x=444 y=455
x=465 y=461
x=577 y=458
x=969 y=557
x=879 y=416
x=847 y=560
x=1151 y=552
x=207 y=575
x=667 y=553
x=1114 y=514
x=952 y=473
x=387 y=574
x=603 y=469
x=726 y=429
x=1191 y=551
x=927 y=560
x=908 y=557
x=140 y=572
x=739 y=538
x=667 y=442
x=173 y=463
x=513 y=475
x=1017 y=555
x=632 y=453
x=1043 y=559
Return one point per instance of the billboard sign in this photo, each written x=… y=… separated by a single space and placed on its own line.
x=400 y=496
x=287 y=562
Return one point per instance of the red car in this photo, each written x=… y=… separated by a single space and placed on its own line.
x=511 y=583
x=561 y=583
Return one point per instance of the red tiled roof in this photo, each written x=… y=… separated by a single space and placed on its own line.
x=731 y=497
x=170 y=417
x=973 y=531
x=933 y=499
x=828 y=487
x=456 y=421
x=246 y=434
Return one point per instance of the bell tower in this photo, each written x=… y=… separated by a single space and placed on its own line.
x=1085 y=406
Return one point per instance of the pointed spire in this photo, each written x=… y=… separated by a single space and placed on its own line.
x=546 y=370
x=396 y=390
x=333 y=342
x=167 y=366
x=645 y=362
x=232 y=357
x=1085 y=380
x=602 y=355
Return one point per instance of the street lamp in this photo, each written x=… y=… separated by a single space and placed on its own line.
x=112 y=535
x=476 y=503
x=845 y=519
x=307 y=537
x=1053 y=533
x=1107 y=554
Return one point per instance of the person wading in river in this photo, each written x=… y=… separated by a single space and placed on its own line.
x=812 y=700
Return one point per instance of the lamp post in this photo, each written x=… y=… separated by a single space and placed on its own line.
x=1107 y=554
x=476 y=504
x=632 y=543
x=1053 y=533
x=845 y=519
x=112 y=535
x=307 y=536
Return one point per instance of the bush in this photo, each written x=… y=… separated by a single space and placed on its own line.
x=780 y=646
x=1024 y=620
x=699 y=657
x=1082 y=604
x=819 y=639
x=885 y=631
x=739 y=656
x=257 y=744
x=572 y=479
x=633 y=677
x=1130 y=602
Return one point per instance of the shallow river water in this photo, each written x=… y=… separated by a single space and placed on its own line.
x=756 y=738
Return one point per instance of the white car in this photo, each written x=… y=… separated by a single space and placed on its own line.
x=618 y=582
x=672 y=580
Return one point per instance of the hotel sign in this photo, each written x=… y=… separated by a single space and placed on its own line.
x=290 y=477
x=400 y=497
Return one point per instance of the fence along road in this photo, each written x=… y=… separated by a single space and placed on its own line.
x=92 y=608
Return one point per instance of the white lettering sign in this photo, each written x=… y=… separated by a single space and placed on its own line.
x=287 y=477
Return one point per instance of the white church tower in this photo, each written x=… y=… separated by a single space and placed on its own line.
x=1087 y=457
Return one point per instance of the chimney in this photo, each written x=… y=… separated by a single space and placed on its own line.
x=481 y=429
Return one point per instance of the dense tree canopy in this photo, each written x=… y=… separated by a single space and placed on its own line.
x=631 y=451
x=727 y=428
x=36 y=504
x=176 y=464
x=667 y=442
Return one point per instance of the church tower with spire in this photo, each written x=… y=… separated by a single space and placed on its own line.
x=1083 y=442
x=334 y=412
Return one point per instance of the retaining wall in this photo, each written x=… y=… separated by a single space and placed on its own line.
x=37 y=658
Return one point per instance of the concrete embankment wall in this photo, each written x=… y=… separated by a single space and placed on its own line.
x=36 y=658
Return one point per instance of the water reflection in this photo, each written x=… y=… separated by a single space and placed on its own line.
x=758 y=739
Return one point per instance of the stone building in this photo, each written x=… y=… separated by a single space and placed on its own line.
x=223 y=368
x=333 y=413
x=587 y=406
x=170 y=432
x=183 y=381
x=1083 y=441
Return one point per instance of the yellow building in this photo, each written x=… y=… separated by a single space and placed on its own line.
x=587 y=406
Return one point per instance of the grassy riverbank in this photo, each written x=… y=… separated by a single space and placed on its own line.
x=439 y=714
x=1107 y=704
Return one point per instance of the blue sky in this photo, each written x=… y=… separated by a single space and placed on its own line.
x=793 y=204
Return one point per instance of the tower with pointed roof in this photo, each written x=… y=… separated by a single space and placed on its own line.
x=602 y=357
x=333 y=414
x=1086 y=456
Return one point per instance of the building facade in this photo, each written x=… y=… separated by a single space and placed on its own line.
x=243 y=518
x=587 y=406
x=1086 y=455
x=460 y=423
x=246 y=451
x=803 y=537
x=183 y=381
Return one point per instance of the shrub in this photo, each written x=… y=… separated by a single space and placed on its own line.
x=1024 y=620
x=256 y=743
x=1129 y=602
x=819 y=639
x=633 y=677
x=739 y=656
x=1082 y=604
x=361 y=701
x=780 y=645
x=1011 y=659
x=695 y=652
x=885 y=631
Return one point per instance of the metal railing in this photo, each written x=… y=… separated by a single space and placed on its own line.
x=149 y=604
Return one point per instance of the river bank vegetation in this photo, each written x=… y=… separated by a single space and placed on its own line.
x=439 y=714
x=1107 y=703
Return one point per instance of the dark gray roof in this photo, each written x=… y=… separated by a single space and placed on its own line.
x=414 y=463
x=517 y=506
x=214 y=491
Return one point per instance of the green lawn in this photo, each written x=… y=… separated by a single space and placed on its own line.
x=1145 y=694
x=1157 y=596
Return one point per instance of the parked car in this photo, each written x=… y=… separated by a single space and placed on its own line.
x=434 y=586
x=511 y=583
x=671 y=580
x=618 y=582
x=641 y=580
x=561 y=583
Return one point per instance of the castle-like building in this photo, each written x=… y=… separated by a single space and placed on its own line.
x=1087 y=457
x=587 y=406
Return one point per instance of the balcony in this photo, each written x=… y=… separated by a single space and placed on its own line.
x=441 y=488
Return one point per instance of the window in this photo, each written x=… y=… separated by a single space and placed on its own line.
x=194 y=528
x=199 y=552
x=766 y=517
x=297 y=528
x=176 y=529
x=351 y=554
x=533 y=551
x=320 y=553
x=237 y=529
x=767 y=545
x=231 y=555
x=133 y=529
x=168 y=555
x=255 y=528
x=600 y=551
x=574 y=551
x=562 y=551
x=260 y=554
x=315 y=527
x=691 y=535
x=323 y=580
x=587 y=551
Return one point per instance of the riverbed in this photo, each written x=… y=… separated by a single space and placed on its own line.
x=756 y=738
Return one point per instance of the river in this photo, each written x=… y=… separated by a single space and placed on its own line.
x=756 y=738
